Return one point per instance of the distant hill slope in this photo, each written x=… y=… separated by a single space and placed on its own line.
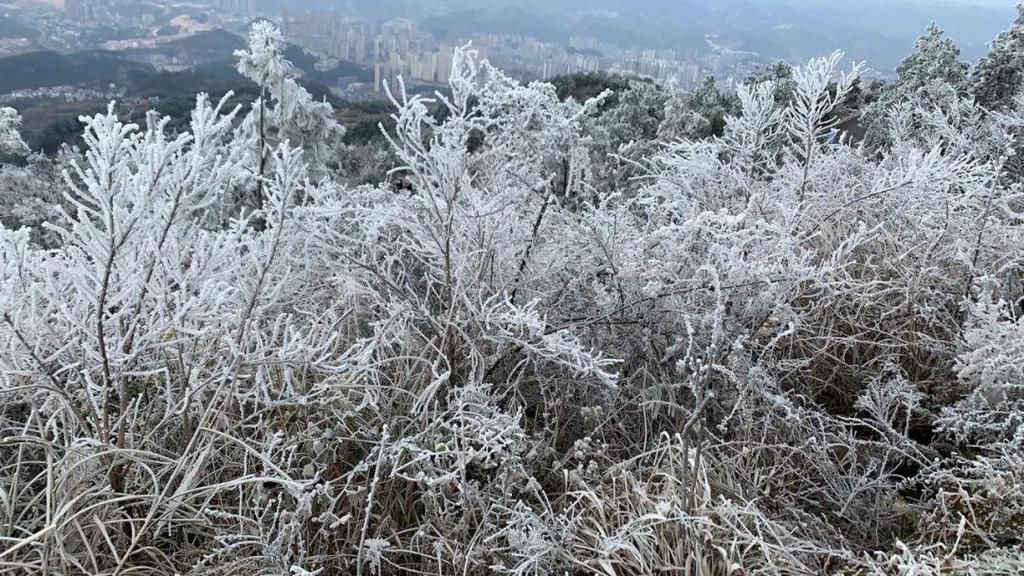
x=46 y=69
x=50 y=122
x=879 y=31
x=203 y=47
x=773 y=33
x=213 y=54
x=345 y=69
x=11 y=29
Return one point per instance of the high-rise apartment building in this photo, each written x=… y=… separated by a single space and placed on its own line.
x=84 y=11
x=241 y=7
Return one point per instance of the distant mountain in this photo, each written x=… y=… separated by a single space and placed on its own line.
x=879 y=31
x=218 y=41
x=200 y=48
x=212 y=54
x=735 y=24
x=213 y=69
x=972 y=26
x=503 y=20
x=46 y=69
x=307 y=64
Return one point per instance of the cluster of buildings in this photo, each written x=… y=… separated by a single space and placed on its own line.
x=399 y=48
x=88 y=11
x=393 y=48
x=533 y=59
x=140 y=13
x=389 y=49
x=112 y=13
x=688 y=69
x=11 y=46
x=239 y=7
x=65 y=93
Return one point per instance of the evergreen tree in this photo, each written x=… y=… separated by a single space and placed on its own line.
x=935 y=58
x=781 y=75
x=699 y=113
x=999 y=76
x=10 y=139
x=932 y=75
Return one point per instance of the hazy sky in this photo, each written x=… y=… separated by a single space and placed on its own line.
x=993 y=3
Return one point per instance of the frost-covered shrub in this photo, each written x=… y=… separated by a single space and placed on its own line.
x=774 y=351
x=992 y=371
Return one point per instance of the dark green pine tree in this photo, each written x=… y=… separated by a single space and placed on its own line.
x=999 y=76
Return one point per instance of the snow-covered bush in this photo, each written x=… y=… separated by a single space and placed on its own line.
x=768 y=350
x=10 y=138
